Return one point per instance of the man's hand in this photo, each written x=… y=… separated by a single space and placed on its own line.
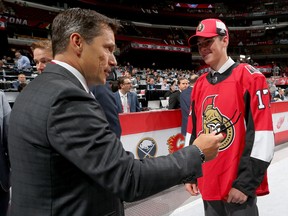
x=236 y=196
x=192 y=188
x=209 y=144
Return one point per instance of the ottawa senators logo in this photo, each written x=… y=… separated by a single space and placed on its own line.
x=212 y=119
x=200 y=27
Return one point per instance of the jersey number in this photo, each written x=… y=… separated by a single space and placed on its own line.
x=260 y=94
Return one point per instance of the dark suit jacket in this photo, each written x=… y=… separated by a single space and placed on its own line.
x=105 y=97
x=67 y=161
x=174 y=100
x=132 y=101
x=5 y=110
x=185 y=102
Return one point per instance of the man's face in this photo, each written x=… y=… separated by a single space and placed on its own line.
x=21 y=78
x=41 y=58
x=183 y=84
x=17 y=55
x=126 y=86
x=97 y=58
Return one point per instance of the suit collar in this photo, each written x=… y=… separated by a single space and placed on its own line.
x=57 y=69
x=75 y=72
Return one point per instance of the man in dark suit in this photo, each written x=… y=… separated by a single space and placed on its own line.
x=174 y=98
x=65 y=160
x=185 y=102
x=4 y=160
x=105 y=96
x=126 y=101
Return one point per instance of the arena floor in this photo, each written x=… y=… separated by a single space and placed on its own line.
x=177 y=202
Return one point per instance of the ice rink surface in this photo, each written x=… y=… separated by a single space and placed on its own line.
x=177 y=202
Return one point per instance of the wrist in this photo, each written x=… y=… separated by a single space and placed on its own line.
x=202 y=155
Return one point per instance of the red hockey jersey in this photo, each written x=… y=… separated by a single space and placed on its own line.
x=248 y=146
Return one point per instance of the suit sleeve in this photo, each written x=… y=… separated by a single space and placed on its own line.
x=80 y=133
x=259 y=139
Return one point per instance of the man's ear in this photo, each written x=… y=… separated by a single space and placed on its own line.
x=77 y=42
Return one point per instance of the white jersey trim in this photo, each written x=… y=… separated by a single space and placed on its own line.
x=187 y=139
x=263 y=148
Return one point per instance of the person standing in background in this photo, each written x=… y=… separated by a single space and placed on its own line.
x=4 y=156
x=185 y=103
x=233 y=99
x=42 y=54
x=174 y=98
x=65 y=160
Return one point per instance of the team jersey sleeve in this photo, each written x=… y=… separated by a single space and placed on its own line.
x=259 y=138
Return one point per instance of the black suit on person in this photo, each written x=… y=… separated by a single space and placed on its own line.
x=4 y=159
x=66 y=161
x=174 y=100
x=105 y=97
x=185 y=102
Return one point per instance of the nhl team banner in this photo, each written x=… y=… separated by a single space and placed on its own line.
x=280 y=121
x=155 y=133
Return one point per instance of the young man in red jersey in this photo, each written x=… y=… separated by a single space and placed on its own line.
x=233 y=99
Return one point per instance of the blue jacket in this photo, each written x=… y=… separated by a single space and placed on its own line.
x=132 y=101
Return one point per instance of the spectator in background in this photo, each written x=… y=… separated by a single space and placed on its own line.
x=236 y=95
x=185 y=103
x=4 y=158
x=172 y=89
x=23 y=62
x=126 y=101
x=134 y=84
x=165 y=85
x=42 y=54
x=151 y=84
x=21 y=79
x=174 y=98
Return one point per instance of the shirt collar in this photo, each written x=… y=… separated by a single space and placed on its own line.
x=122 y=95
x=225 y=66
x=75 y=72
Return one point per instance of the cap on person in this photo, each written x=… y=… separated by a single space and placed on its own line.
x=209 y=28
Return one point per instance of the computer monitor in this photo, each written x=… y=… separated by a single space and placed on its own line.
x=154 y=104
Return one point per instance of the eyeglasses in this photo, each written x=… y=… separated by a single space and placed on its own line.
x=206 y=43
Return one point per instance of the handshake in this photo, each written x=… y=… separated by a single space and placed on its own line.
x=208 y=145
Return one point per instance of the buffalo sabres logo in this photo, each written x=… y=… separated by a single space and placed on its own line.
x=147 y=147
x=214 y=120
x=200 y=27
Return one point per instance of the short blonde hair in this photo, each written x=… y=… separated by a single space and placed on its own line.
x=42 y=44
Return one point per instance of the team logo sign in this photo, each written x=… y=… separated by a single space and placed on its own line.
x=213 y=119
x=146 y=148
x=175 y=143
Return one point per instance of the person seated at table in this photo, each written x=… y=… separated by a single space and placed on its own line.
x=151 y=84
x=172 y=89
x=21 y=79
x=126 y=101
